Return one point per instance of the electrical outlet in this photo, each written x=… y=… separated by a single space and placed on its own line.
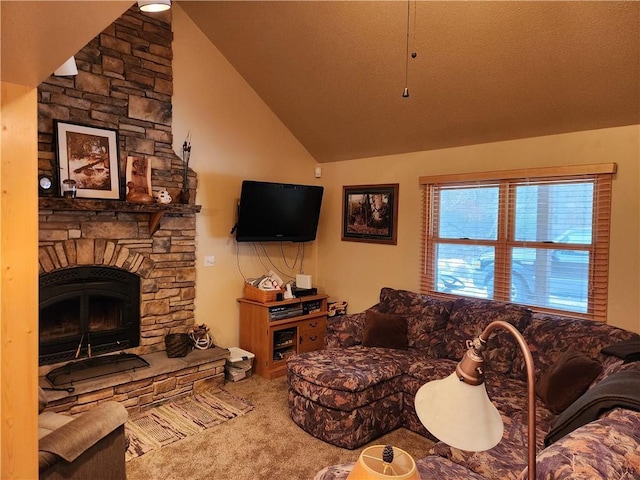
x=209 y=261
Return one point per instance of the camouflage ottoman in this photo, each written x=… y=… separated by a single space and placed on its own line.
x=348 y=397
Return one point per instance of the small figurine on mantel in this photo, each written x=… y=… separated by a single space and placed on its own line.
x=163 y=197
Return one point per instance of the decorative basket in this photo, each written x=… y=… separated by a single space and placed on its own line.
x=178 y=344
x=262 y=296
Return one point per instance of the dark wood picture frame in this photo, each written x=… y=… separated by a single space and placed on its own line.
x=89 y=156
x=370 y=213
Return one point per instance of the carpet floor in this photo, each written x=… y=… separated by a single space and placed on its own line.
x=263 y=445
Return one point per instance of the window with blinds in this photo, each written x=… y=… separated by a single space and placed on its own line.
x=539 y=237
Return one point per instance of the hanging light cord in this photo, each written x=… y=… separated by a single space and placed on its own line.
x=405 y=94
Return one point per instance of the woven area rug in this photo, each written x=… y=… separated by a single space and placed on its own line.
x=168 y=423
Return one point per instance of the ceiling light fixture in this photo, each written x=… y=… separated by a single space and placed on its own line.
x=151 y=6
x=67 y=69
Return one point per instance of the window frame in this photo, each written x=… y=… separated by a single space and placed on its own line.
x=507 y=181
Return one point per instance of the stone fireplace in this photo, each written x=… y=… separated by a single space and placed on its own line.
x=124 y=83
x=118 y=244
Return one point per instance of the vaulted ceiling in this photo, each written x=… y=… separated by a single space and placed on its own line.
x=334 y=71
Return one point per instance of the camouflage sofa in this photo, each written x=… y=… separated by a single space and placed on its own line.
x=349 y=394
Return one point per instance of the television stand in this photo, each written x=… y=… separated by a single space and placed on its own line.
x=274 y=331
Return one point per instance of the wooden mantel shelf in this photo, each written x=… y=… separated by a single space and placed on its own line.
x=155 y=210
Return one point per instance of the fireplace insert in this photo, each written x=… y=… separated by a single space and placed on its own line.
x=87 y=311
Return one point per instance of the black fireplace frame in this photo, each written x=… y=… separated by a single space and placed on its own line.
x=82 y=282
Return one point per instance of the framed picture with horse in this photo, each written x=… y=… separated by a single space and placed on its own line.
x=370 y=213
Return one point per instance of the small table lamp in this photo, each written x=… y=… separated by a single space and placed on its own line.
x=457 y=409
x=384 y=462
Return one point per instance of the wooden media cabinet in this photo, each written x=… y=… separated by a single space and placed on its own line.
x=273 y=331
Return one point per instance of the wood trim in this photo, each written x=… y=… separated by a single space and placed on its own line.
x=19 y=284
x=569 y=170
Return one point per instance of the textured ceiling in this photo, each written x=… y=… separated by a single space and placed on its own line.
x=334 y=72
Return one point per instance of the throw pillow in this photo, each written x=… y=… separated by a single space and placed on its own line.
x=385 y=330
x=566 y=380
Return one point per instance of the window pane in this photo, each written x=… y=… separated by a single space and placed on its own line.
x=457 y=270
x=551 y=278
x=549 y=212
x=469 y=213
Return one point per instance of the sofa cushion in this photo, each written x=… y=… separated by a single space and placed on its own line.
x=566 y=380
x=50 y=421
x=550 y=335
x=384 y=330
x=468 y=319
x=426 y=316
x=507 y=459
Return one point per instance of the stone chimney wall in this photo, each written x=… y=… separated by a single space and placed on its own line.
x=125 y=82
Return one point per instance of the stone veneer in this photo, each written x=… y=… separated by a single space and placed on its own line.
x=164 y=262
x=125 y=82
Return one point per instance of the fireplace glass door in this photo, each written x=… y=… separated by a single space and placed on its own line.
x=86 y=311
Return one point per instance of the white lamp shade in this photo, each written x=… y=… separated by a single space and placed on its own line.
x=459 y=415
x=154 y=5
x=67 y=68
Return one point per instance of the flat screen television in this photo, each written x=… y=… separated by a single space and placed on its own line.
x=278 y=212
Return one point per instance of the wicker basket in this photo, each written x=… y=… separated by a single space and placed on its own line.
x=262 y=296
x=178 y=344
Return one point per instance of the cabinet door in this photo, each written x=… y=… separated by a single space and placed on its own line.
x=312 y=334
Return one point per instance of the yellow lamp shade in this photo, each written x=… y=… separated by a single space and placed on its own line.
x=371 y=466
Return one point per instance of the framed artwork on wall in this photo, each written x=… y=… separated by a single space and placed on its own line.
x=87 y=159
x=370 y=213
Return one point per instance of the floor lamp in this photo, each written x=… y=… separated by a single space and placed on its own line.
x=457 y=409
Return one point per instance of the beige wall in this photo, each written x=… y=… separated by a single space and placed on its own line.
x=235 y=137
x=356 y=271
x=19 y=283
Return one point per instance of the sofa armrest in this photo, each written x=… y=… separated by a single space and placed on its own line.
x=345 y=331
x=603 y=449
x=72 y=439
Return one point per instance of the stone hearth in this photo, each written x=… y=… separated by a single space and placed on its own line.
x=164 y=380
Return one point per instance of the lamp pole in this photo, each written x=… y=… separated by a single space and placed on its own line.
x=470 y=371
x=457 y=409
